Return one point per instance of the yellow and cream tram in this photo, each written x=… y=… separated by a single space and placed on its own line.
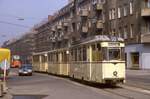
x=59 y=62
x=97 y=59
x=53 y=62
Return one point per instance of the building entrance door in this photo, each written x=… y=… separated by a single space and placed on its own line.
x=135 y=60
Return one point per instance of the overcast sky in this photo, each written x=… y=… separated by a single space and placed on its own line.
x=32 y=11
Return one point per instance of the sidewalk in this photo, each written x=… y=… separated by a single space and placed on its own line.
x=138 y=78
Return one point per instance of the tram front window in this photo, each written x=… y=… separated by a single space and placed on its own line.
x=114 y=54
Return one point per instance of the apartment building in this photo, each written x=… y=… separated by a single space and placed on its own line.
x=89 y=18
x=130 y=20
x=55 y=33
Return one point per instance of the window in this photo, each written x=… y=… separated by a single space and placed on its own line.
x=131 y=7
x=84 y=54
x=79 y=54
x=125 y=32
x=125 y=11
x=44 y=58
x=110 y=17
x=36 y=58
x=113 y=13
x=119 y=12
x=75 y=52
x=119 y=32
x=97 y=52
x=147 y=28
x=131 y=31
x=114 y=54
x=148 y=3
x=113 y=32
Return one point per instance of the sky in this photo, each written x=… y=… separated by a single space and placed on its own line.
x=31 y=11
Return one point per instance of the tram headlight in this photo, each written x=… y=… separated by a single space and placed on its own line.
x=115 y=73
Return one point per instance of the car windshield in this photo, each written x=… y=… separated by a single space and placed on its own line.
x=26 y=67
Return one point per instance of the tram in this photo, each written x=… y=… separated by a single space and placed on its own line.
x=54 y=62
x=16 y=61
x=98 y=59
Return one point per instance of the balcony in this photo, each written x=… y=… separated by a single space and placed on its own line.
x=59 y=38
x=145 y=12
x=99 y=24
x=98 y=6
x=53 y=28
x=65 y=24
x=53 y=39
x=59 y=26
x=84 y=13
x=145 y=38
x=84 y=29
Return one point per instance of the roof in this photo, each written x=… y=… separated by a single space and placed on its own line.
x=100 y=38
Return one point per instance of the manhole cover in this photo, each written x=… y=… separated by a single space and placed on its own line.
x=28 y=96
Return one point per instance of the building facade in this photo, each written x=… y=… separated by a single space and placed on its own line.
x=23 y=47
x=130 y=20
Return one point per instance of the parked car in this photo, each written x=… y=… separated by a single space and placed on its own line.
x=25 y=69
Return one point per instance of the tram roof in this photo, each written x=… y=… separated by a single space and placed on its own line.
x=100 y=38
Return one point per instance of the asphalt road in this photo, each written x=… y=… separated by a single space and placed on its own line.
x=43 y=86
x=138 y=78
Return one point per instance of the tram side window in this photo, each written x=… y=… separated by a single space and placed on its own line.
x=76 y=56
x=43 y=59
x=96 y=52
x=57 y=58
x=64 y=57
x=36 y=58
x=50 y=58
x=72 y=55
x=79 y=54
x=104 y=54
x=84 y=54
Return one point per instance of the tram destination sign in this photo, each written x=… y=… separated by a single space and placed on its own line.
x=113 y=44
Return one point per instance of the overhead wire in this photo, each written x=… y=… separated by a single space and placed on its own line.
x=9 y=23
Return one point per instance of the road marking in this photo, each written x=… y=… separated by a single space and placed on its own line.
x=135 y=89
